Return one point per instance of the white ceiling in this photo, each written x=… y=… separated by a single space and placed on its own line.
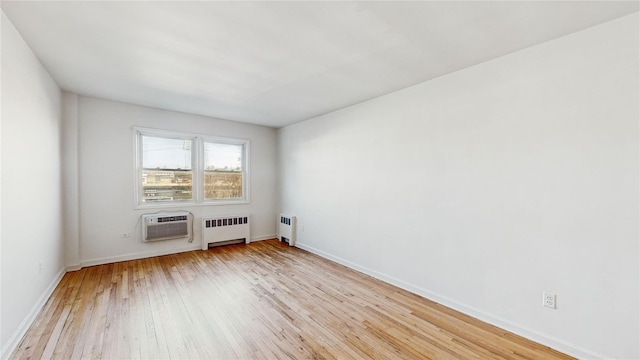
x=277 y=63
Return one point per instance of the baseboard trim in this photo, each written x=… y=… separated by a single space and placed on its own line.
x=144 y=255
x=263 y=237
x=525 y=332
x=17 y=336
x=139 y=255
x=74 y=267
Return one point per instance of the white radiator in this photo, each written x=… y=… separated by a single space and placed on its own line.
x=166 y=226
x=223 y=229
x=287 y=229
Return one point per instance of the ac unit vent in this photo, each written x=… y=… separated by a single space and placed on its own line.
x=156 y=227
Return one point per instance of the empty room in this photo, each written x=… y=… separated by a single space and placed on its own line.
x=320 y=180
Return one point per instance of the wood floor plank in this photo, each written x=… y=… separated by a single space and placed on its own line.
x=264 y=300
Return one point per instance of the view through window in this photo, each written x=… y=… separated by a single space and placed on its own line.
x=166 y=169
x=223 y=170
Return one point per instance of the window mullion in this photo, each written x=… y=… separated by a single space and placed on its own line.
x=198 y=181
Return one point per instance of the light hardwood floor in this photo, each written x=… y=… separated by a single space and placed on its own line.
x=259 y=301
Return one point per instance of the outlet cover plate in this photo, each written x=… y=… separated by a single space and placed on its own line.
x=548 y=300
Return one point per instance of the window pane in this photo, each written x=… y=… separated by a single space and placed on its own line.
x=223 y=157
x=222 y=185
x=164 y=153
x=166 y=185
x=166 y=169
x=223 y=171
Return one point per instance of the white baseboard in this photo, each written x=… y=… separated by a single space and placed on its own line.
x=74 y=267
x=140 y=255
x=148 y=254
x=525 y=332
x=263 y=237
x=17 y=336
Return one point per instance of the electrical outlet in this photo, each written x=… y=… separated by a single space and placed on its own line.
x=548 y=300
x=125 y=235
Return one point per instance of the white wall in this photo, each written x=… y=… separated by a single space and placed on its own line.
x=32 y=213
x=485 y=187
x=106 y=178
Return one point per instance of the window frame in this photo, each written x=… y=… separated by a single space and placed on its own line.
x=245 y=169
x=197 y=168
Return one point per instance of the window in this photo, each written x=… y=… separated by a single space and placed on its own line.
x=177 y=168
x=166 y=173
x=223 y=170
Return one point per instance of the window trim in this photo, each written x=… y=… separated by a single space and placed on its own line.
x=245 y=169
x=197 y=168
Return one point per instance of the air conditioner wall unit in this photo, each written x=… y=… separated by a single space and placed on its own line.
x=166 y=226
